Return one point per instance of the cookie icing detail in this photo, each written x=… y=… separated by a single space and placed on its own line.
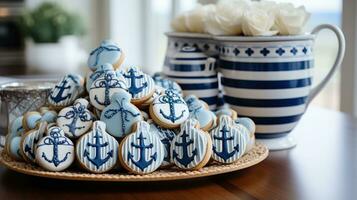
x=140 y=85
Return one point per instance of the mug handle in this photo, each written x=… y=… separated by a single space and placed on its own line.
x=210 y=64
x=338 y=60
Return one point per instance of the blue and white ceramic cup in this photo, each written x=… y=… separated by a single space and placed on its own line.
x=196 y=73
x=268 y=79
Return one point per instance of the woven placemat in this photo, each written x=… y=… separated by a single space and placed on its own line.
x=253 y=157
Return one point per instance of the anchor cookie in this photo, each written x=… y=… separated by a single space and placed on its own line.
x=229 y=141
x=141 y=152
x=169 y=110
x=120 y=115
x=75 y=120
x=30 y=120
x=55 y=152
x=191 y=149
x=66 y=91
x=107 y=52
x=166 y=136
x=30 y=140
x=250 y=125
x=99 y=72
x=167 y=84
x=97 y=151
x=200 y=112
x=158 y=91
x=140 y=85
x=103 y=87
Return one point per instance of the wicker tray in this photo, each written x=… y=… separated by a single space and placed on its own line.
x=256 y=155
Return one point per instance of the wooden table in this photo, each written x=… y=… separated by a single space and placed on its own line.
x=322 y=166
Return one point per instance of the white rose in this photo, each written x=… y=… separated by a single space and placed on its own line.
x=178 y=24
x=226 y=17
x=258 y=22
x=194 y=19
x=290 y=20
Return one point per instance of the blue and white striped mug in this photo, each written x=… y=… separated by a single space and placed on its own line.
x=196 y=73
x=269 y=78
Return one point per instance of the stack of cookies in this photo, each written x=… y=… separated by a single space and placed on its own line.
x=126 y=118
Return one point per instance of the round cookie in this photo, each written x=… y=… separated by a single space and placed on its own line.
x=103 y=87
x=29 y=142
x=99 y=72
x=141 y=152
x=55 y=152
x=198 y=111
x=227 y=111
x=75 y=120
x=13 y=147
x=166 y=136
x=120 y=115
x=250 y=125
x=191 y=149
x=167 y=83
x=169 y=110
x=30 y=120
x=16 y=127
x=66 y=91
x=107 y=52
x=228 y=140
x=140 y=85
x=97 y=151
x=158 y=91
x=48 y=116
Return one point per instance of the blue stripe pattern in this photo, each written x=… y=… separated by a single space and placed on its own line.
x=276 y=66
x=187 y=67
x=252 y=84
x=265 y=102
x=199 y=86
x=210 y=100
x=274 y=120
x=270 y=135
x=192 y=77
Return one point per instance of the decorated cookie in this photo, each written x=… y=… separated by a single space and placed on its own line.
x=141 y=152
x=75 y=120
x=250 y=125
x=49 y=116
x=169 y=110
x=120 y=115
x=13 y=147
x=30 y=120
x=145 y=115
x=191 y=149
x=16 y=127
x=55 y=152
x=99 y=72
x=107 y=52
x=97 y=151
x=158 y=91
x=200 y=112
x=229 y=141
x=103 y=87
x=167 y=83
x=66 y=91
x=166 y=136
x=140 y=85
x=227 y=111
x=29 y=141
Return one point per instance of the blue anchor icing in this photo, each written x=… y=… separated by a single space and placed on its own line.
x=107 y=52
x=102 y=88
x=166 y=136
x=97 y=151
x=140 y=85
x=169 y=109
x=228 y=140
x=167 y=83
x=75 y=120
x=55 y=152
x=190 y=147
x=30 y=140
x=66 y=91
x=142 y=152
x=199 y=112
x=120 y=115
x=99 y=72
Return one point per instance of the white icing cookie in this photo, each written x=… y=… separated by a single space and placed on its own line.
x=29 y=142
x=229 y=140
x=107 y=52
x=227 y=111
x=99 y=72
x=120 y=115
x=169 y=110
x=102 y=89
x=30 y=120
x=158 y=91
x=140 y=85
x=191 y=149
x=55 y=152
x=13 y=147
x=250 y=125
x=167 y=83
x=66 y=91
x=97 y=151
x=141 y=152
x=49 y=116
x=75 y=120
x=166 y=136
x=200 y=112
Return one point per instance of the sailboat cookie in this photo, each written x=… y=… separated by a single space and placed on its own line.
x=141 y=152
x=107 y=52
x=29 y=142
x=229 y=140
x=140 y=85
x=169 y=110
x=103 y=87
x=120 y=115
x=55 y=152
x=97 y=151
x=66 y=91
x=191 y=149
